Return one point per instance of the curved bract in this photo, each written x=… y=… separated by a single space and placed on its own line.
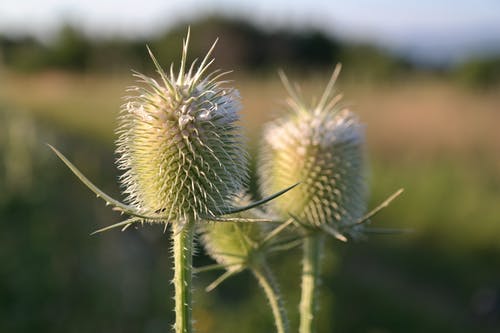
x=179 y=144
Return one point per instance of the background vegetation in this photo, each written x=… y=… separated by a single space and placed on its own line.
x=432 y=131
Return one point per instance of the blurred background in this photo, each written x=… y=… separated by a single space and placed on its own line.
x=423 y=76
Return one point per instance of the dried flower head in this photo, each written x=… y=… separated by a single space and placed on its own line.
x=320 y=146
x=179 y=145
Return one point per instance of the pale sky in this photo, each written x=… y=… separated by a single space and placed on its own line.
x=435 y=29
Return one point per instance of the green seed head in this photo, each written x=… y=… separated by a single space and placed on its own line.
x=232 y=244
x=179 y=145
x=321 y=147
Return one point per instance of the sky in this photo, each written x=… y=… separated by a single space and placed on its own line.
x=427 y=30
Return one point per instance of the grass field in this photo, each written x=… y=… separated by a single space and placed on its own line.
x=411 y=117
x=437 y=140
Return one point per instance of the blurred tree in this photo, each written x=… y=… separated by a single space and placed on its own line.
x=114 y=55
x=71 y=50
x=315 y=49
x=24 y=54
x=367 y=62
x=243 y=46
x=479 y=73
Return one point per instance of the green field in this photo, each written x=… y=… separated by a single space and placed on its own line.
x=437 y=140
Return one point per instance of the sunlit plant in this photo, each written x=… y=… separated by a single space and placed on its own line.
x=322 y=146
x=184 y=165
x=182 y=158
x=239 y=246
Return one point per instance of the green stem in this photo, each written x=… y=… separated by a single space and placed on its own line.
x=311 y=268
x=183 y=259
x=268 y=283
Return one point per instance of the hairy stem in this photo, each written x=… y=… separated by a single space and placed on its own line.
x=311 y=268
x=183 y=259
x=268 y=283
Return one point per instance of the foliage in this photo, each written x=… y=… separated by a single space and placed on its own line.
x=479 y=73
x=244 y=46
x=364 y=62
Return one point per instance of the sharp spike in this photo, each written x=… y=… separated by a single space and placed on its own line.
x=208 y=268
x=182 y=68
x=259 y=202
x=125 y=223
x=160 y=70
x=203 y=65
x=277 y=231
x=239 y=220
x=220 y=279
x=377 y=209
x=329 y=87
x=288 y=87
x=333 y=232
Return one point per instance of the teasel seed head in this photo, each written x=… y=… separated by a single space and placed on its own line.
x=232 y=244
x=235 y=245
x=179 y=145
x=320 y=146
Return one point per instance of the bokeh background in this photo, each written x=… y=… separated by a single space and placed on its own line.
x=423 y=76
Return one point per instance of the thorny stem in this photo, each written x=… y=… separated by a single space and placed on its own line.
x=183 y=260
x=311 y=268
x=266 y=280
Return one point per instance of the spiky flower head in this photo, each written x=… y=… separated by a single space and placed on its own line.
x=179 y=144
x=322 y=147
